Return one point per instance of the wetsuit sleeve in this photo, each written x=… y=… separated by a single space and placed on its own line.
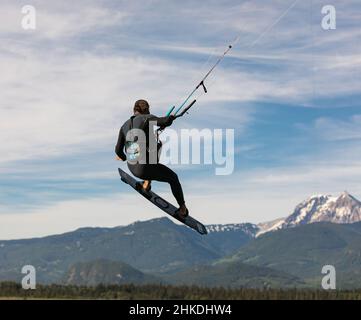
x=162 y=121
x=119 y=148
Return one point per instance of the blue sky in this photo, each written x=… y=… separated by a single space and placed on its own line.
x=289 y=89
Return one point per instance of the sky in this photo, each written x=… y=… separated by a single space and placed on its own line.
x=289 y=89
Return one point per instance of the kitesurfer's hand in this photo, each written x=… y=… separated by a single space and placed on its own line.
x=171 y=118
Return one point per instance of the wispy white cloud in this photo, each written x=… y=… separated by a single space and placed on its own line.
x=334 y=129
x=57 y=20
x=51 y=105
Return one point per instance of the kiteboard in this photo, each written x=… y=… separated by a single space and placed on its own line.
x=161 y=203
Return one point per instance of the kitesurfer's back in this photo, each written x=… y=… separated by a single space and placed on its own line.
x=138 y=144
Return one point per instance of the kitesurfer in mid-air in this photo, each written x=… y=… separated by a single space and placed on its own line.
x=141 y=160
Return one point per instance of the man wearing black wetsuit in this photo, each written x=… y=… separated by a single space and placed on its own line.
x=146 y=166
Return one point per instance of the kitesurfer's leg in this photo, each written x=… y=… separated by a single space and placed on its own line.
x=160 y=172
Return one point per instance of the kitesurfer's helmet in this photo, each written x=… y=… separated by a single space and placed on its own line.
x=141 y=106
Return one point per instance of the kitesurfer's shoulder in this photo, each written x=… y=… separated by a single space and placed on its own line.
x=126 y=123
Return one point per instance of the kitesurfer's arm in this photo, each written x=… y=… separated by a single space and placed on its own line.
x=119 y=148
x=162 y=121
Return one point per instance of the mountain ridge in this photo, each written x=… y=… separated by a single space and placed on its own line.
x=161 y=247
x=153 y=246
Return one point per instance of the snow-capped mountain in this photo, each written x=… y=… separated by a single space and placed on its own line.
x=248 y=228
x=320 y=208
x=264 y=227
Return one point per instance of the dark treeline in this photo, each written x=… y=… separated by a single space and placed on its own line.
x=159 y=292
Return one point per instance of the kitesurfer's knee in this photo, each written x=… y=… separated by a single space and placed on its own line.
x=173 y=178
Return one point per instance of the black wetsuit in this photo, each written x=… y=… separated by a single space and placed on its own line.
x=149 y=170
